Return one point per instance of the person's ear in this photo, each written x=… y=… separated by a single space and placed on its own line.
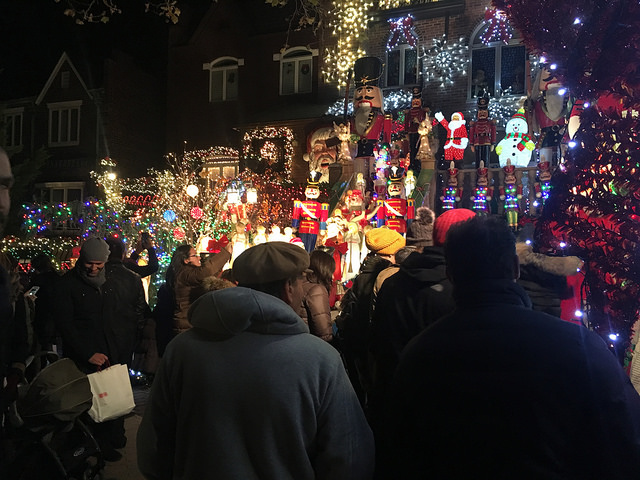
x=287 y=293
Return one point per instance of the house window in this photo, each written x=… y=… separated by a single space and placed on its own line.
x=64 y=79
x=61 y=192
x=223 y=78
x=296 y=70
x=495 y=68
x=12 y=123
x=402 y=66
x=64 y=123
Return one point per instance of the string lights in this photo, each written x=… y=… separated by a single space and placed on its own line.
x=444 y=60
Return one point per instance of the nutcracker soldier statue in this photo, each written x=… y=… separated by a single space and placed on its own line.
x=310 y=216
x=482 y=133
x=369 y=121
x=543 y=186
x=395 y=212
x=482 y=193
x=511 y=193
x=412 y=119
x=452 y=193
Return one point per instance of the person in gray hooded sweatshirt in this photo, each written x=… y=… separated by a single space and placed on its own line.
x=248 y=393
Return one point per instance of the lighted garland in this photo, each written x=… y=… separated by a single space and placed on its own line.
x=402 y=29
x=498 y=28
x=444 y=60
x=392 y=101
x=268 y=134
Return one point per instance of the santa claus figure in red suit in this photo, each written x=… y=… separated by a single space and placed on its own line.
x=457 y=138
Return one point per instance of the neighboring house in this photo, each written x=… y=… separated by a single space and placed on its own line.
x=243 y=69
x=80 y=116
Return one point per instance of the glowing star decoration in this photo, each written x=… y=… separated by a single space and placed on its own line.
x=349 y=19
x=444 y=60
x=498 y=28
x=192 y=191
x=178 y=233
x=402 y=29
x=169 y=215
x=196 y=213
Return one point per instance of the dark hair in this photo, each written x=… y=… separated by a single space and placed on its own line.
x=42 y=263
x=480 y=248
x=180 y=254
x=227 y=274
x=323 y=266
x=272 y=288
x=404 y=252
x=116 y=248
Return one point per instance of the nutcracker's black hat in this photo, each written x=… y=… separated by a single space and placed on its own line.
x=367 y=71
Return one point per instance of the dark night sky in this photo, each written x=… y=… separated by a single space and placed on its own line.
x=34 y=33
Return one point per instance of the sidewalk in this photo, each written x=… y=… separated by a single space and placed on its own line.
x=127 y=468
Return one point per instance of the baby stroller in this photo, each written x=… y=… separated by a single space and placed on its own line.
x=49 y=439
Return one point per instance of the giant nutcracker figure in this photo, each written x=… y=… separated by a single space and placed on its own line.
x=482 y=133
x=511 y=193
x=412 y=119
x=457 y=139
x=369 y=121
x=395 y=212
x=310 y=216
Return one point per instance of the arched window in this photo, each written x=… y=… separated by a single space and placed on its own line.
x=223 y=78
x=296 y=70
x=497 y=68
x=402 y=66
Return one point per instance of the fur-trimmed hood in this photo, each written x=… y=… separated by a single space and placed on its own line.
x=565 y=266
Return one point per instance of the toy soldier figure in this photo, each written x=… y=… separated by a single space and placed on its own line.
x=412 y=119
x=310 y=216
x=395 y=212
x=369 y=121
x=482 y=133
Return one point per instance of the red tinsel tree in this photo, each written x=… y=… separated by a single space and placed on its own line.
x=595 y=202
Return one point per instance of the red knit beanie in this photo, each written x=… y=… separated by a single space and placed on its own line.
x=444 y=222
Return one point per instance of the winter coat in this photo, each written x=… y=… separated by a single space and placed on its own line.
x=315 y=311
x=143 y=270
x=104 y=320
x=44 y=324
x=188 y=287
x=247 y=393
x=163 y=317
x=407 y=303
x=544 y=278
x=519 y=393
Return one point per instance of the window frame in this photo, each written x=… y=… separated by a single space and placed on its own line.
x=293 y=55
x=402 y=47
x=49 y=187
x=9 y=116
x=224 y=65
x=475 y=44
x=58 y=107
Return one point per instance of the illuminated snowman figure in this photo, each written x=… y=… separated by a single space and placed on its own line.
x=516 y=145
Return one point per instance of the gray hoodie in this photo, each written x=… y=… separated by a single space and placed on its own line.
x=248 y=393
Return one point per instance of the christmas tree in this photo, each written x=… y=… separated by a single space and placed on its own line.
x=594 y=207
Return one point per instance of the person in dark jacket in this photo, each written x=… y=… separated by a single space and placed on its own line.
x=356 y=307
x=99 y=312
x=498 y=390
x=45 y=277
x=145 y=242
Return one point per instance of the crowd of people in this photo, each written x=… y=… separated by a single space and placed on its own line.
x=436 y=363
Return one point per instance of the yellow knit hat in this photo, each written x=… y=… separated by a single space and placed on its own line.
x=384 y=241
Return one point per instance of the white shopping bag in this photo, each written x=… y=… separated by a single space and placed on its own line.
x=112 y=393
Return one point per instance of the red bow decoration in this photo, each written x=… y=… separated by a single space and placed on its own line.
x=217 y=245
x=402 y=26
